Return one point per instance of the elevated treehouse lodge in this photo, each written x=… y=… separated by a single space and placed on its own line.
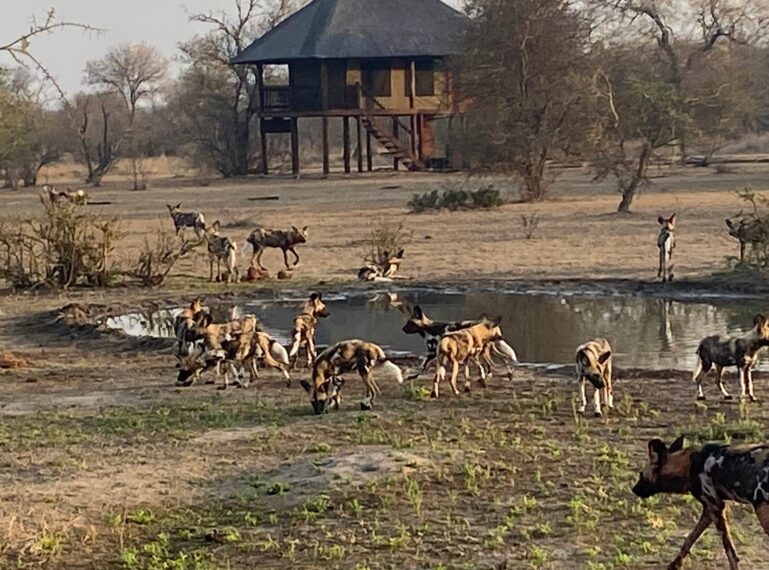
x=380 y=64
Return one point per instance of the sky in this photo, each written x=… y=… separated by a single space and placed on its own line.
x=161 y=23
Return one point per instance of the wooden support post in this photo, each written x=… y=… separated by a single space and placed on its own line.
x=324 y=108
x=359 y=150
x=369 y=159
x=326 y=168
x=346 y=143
x=396 y=136
x=263 y=146
x=295 y=146
x=420 y=129
x=412 y=106
x=260 y=85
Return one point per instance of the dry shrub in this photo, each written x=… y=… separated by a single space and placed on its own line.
x=9 y=360
x=530 y=224
x=457 y=196
x=385 y=238
x=64 y=247
x=158 y=256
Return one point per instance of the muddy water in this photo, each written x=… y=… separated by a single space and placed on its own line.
x=645 y=332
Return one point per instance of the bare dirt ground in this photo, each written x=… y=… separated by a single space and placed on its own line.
x=105 y=464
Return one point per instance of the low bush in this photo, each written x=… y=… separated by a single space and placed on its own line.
x=457 y=197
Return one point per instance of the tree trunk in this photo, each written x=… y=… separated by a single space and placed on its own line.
x=629 y=191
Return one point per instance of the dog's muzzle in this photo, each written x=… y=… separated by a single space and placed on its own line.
x=643 y=488
x=597 y=382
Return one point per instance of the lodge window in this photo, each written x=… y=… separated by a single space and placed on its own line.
x=425 y=79
x=377 y=80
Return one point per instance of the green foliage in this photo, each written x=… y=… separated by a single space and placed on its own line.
x=456 y=197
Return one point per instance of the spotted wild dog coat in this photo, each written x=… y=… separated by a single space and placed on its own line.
x=286 y=240
x=714 y=474
x=594 y=365
x=722 y=351
x=194 y=220
x=666 y=242
x=303 y=331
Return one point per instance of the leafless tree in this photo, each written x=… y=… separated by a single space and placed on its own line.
x=523 y=71
x=217 y=102
x=135 y=73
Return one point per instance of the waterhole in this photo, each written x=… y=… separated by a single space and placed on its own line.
x=651 y=333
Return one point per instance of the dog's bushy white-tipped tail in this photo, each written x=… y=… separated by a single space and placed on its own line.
x=280 y=353
x=244 y=249
x=394 y=370
x=506 y=350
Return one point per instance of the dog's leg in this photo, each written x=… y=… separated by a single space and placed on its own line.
x=454 y=376
x=296 y=256
x=597 y=403
x=210 y=268
x=259 y=258
x=368 y=400
x=609 y=387
x=311 y=352
x=285 y=258
x=582 y=396
x=697 y=375
x=440 y=373
x=762 y=512
x=705 y=521
x=749 y=373
x=726 y=536
x=743 y=382
x=426 y=361
x=661 y=264
x=720 y=382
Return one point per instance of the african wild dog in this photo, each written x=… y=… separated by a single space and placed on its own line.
x=262 y=238
x=221 y=248
x=594 y=364
x=347 y=356
x=186 y=322
x=458 y=348
x=194 y=220
x=303 y=331
x=237 y=351
x=419 y=323
x=753 y=232
x=722 y=351
x=384 y=269
x=55 y=196
x=713 y=474
x=666 y=242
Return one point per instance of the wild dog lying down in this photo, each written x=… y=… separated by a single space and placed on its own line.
x=384 y=269
x=221 y=249
x=666 y=242
x=347 y=356
x=303 y=331
x=55 y=196
x=262 y=238
x=182 y=220
x=243 y=350
x=419 y=323
x=594 y=364
x=713 y=474
x=458 y=348
x=722 y=351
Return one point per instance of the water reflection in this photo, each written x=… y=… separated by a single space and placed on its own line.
x=645 y=332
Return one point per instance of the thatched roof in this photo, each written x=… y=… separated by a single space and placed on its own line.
x=351 y=29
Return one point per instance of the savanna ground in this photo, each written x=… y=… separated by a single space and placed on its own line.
x=105 y=464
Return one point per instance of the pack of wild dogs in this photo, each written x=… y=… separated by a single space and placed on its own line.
x=223 y=250
x=235 y=350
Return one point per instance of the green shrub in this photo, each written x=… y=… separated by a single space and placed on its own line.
x=456 y=197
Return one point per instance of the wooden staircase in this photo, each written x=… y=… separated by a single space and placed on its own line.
x=381 y=131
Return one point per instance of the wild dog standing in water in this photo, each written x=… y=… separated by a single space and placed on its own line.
x=384 y=269
x=221 y=248
x=194 y=220
x=713 y=474
x=347 y=356
x=303 y=331
x=594 y=365
x=432 y=331
x=262 y=238
x=666 y=242
x=457 y=348
x=722 y=351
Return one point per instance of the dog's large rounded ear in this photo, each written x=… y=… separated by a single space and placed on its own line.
x=314 y=297
x=401 y=253
x=729 y=223
x=759 y=320
x=604 y=357
x=417 y=312
x=660 y=220
x=677 y=445
x=657 y=452
x=672 y=219
x=496 y=320
x=305 y=228
x=583 y=358
x=306 y=385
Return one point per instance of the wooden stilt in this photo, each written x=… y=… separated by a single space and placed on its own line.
x=420 y=127
x=359 y=150
x=369 y=158
x=346 y=143
x=263 y=146
x=396 y=136
x=412 y=105
x=295 y=146
x=326 y=168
